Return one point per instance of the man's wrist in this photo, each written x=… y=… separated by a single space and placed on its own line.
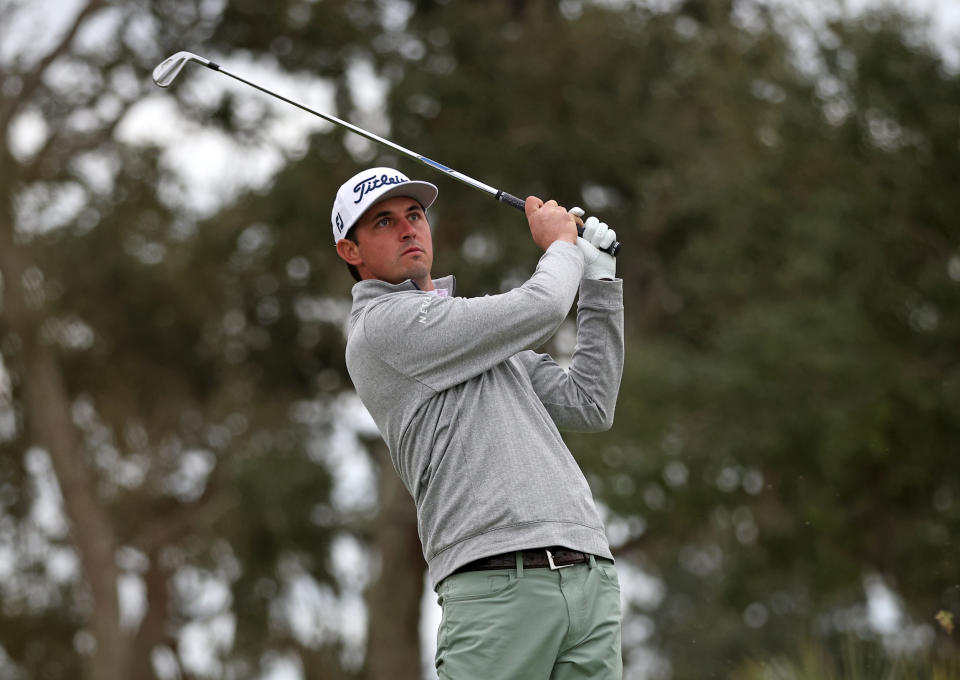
x=601 y=294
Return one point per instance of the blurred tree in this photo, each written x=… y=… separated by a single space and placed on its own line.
x=789 y=412
x=790 y=404
x=171 y=385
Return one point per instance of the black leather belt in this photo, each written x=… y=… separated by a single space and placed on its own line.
x=553 y=558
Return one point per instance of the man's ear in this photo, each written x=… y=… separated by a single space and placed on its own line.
x=349 y=252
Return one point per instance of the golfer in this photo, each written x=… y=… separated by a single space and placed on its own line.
x=515 y=547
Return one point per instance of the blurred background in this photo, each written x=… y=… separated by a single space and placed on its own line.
x=189 y=487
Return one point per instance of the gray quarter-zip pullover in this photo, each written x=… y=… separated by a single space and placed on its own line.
x=471 y=414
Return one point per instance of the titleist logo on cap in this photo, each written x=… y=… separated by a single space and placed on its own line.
x=364 y=189
x=375 y=182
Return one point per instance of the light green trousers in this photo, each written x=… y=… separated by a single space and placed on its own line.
x=531 y=624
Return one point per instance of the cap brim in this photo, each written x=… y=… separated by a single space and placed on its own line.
x=423 y=192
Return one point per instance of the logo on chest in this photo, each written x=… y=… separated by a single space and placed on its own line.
x=424 y=308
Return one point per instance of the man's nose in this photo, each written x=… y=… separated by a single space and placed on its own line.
x=407 y=229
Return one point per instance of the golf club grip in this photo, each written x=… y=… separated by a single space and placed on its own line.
x=510 y=199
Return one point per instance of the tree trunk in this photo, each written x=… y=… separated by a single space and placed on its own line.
x=393 y=601
x=93 y=535
x=153 y=628
x=48 y=417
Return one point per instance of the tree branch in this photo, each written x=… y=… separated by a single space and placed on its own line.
x=169 y=528
x=32 y=80
x=56 y=150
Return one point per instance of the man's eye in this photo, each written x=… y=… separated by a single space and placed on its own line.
x=384 y=222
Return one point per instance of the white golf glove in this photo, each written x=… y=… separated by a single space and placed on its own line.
x=596 y=235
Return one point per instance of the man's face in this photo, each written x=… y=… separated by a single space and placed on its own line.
x=393 y=243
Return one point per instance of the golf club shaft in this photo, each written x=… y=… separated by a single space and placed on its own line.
x=498 y=194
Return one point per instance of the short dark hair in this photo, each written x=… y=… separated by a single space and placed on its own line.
x=351 y=235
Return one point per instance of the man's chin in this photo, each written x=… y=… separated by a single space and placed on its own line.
x=420 y=275
x=418 y=269
x=415 y=274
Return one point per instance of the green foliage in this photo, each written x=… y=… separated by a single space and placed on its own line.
x=855 y=660
x=790 y=409
x=201 y=379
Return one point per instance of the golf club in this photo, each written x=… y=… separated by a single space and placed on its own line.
x=167 y=71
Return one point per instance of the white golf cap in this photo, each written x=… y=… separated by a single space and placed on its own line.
x=361 y=191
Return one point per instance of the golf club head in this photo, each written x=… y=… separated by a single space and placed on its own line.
x=170 y=68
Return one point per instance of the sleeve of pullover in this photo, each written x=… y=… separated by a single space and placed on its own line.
x=583 y=398
x=442 y=342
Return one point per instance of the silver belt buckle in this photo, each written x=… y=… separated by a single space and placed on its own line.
x=555 y=567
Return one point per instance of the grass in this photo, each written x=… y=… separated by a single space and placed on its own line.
x=856 y=660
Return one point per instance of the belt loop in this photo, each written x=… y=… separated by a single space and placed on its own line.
x=519 y=556
x=593 y=561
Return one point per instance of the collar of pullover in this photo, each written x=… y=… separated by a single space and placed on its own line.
x=370 y=289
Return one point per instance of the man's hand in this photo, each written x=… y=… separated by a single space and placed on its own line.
x=549 y=222
x=597 y=264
